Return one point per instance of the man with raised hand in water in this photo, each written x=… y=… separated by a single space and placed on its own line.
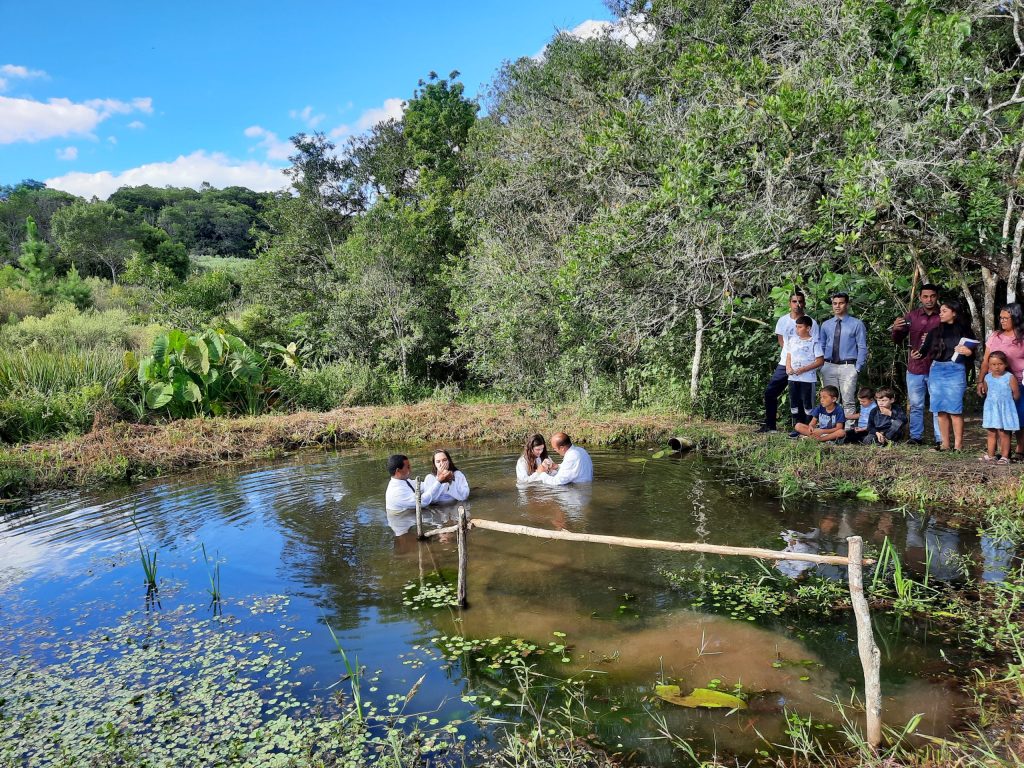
x=401 y=493
x=576 y=466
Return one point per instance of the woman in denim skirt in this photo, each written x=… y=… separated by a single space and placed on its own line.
x=947 y=378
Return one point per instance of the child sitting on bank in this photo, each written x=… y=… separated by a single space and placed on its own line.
x=828 y=422
x=887 y=420
x=1000 y=414
x=857 y=423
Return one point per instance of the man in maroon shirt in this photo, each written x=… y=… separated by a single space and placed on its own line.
x=916 y=325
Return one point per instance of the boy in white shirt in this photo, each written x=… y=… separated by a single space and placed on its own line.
x=804 y=357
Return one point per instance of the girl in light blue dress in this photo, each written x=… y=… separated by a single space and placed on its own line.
x=1000 y=415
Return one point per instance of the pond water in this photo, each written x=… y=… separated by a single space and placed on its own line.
x=312 y=534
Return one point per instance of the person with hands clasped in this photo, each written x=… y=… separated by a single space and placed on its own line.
x=445 y=483
x=1002 y=393
x=947 y=378
x=803 y=358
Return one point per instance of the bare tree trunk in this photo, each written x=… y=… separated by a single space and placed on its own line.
x=1013 y=278
x=990 y=281
x=1015 y=252
x=973 y=306
x=698 y=350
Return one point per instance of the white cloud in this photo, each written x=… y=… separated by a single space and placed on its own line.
x=391 y=109
x=629 y=30
x=185 y=171
x=30 y=120
x=136 y=125
x=276 y=149
x=3 y=84
x=67 y=153
x=307 y=116
x=19 y=72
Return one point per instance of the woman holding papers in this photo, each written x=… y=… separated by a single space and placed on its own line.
x=1009 y=340
x=952 y=351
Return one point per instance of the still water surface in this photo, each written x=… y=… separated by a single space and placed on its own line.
x=314 y=529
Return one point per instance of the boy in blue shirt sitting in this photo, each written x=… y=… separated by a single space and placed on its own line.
x=828 y=422
x=857 y=423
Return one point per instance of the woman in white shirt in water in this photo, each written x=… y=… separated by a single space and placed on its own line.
x=446 y=478
x=534 y=463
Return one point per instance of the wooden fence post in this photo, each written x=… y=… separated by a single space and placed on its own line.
x=463 y=558
x=419 y=510
x=870 y=657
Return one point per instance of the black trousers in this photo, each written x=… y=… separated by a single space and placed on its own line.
x=801 y=401
x=771 y=396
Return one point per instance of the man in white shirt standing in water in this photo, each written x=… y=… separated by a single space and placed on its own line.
x=576 y=466
x=401 y=493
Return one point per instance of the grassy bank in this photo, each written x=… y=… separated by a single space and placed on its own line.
x=123 y=452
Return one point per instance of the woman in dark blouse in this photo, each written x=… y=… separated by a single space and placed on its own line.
x=947 y=378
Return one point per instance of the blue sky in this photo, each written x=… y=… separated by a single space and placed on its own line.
x=96 y=96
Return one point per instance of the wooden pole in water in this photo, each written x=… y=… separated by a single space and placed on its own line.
x=419 y=510
x=463 y=558
x=870 y=657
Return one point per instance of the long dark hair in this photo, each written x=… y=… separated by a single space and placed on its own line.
x=531 y=443
x=961 y=324
x=1013 y=309
x=451 y=464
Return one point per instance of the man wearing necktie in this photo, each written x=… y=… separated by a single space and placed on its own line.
x=844 y=339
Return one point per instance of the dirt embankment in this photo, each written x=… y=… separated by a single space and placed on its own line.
x=123 y=452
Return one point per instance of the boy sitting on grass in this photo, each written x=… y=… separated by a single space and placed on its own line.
x=857 y=423
x=887 y=420
x=828 y=422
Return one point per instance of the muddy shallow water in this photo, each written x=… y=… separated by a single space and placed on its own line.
x=313 y=530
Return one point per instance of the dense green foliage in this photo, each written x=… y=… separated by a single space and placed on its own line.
x=212 y=372
x=625 y=200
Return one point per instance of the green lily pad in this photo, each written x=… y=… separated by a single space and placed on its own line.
x=699 y=697
x=660 y=454
x=637 y=460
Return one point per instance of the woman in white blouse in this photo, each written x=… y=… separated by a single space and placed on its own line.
x=446 y=478
x=534 y=463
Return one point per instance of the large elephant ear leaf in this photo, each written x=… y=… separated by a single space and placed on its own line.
x=160 y=344
x=159 y=395
x=176 y=340
x=215 y=344
x=195 y=357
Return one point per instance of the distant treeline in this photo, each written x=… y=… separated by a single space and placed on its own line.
x=98 y=237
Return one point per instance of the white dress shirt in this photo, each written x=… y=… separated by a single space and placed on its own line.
x=523 y=474
x=401 y=494
x=576 y=467
x=455 y=490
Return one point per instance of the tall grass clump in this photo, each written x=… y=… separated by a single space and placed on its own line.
x=44 y=393
x=68 y=328
x=349 y=383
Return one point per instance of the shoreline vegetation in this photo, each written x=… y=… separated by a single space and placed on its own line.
x=126 y=452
